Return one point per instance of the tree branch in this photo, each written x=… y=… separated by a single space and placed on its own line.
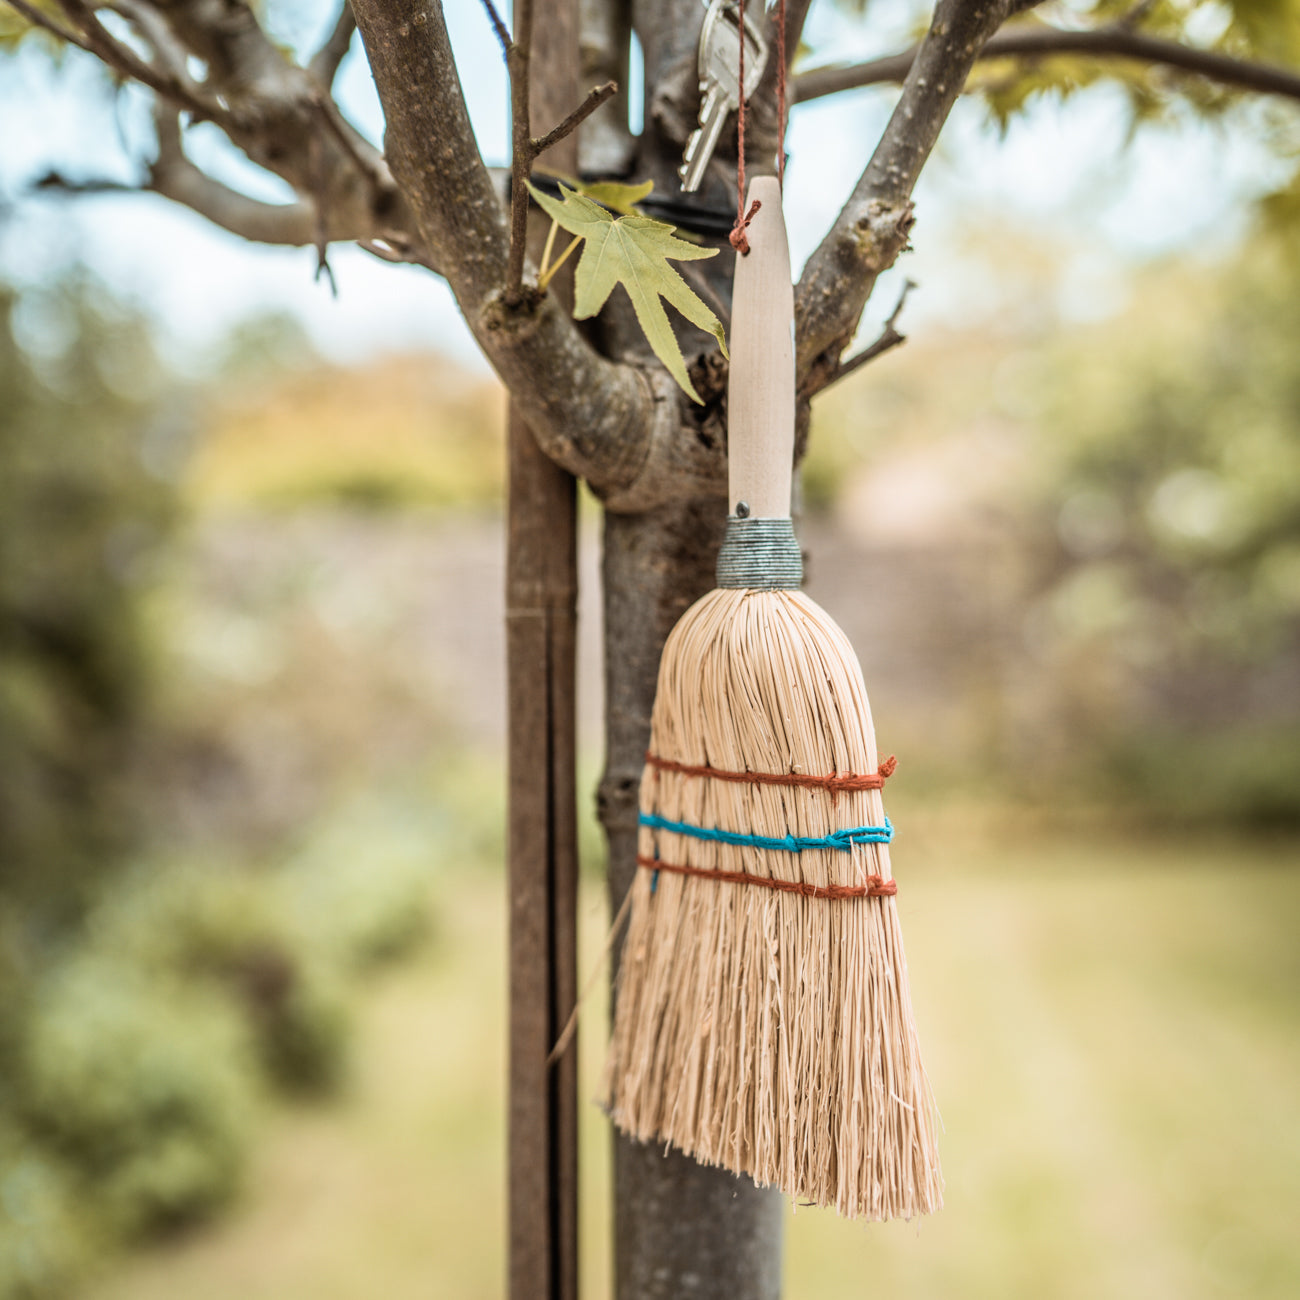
x=56 y=182
x=525 y=147
x=890 y=338
x=590 y=415
x=596 y=96
x=91 y=35
x=244 y=66
x=175 y=177
x=872 y=228
x=498 y=26
x=275 y=109
x=283 y=118
x=796 y=14
x=763 y=125
x=39 y=18
x=1117 y=41
x=325 y=62
x=168 y=55
x=521 y=163
x=278 y=113
x=285 y=224
x=262 y=223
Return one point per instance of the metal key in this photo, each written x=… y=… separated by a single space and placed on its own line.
x=720 y=91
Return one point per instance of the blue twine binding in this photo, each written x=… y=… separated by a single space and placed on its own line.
x=841 y=840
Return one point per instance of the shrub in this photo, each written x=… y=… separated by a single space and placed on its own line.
x=144 y=1086
x=360 y=898
x=41 y=1240
x=1243 y=775
x=228 y=931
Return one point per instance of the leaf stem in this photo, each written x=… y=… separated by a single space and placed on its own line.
x=547 y=276
x=546 y=253
x=524 y=147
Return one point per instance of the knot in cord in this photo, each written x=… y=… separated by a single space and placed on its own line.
x=739 y=240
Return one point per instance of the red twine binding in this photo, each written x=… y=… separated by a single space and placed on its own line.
x=739 y=240
x=836 y=783
x=876 y=886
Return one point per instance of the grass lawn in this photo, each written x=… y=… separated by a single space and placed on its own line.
x=1112 y=1027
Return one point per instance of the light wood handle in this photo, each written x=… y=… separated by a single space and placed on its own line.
x=760 y=393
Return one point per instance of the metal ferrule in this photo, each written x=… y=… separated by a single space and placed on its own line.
x=761 y=554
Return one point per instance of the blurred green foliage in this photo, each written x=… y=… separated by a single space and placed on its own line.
x=1172 y=467
x=88 y=442
x=1245 y=773
x=1175 y=452
x=358 y=891
x=413 y=432
x=1133 y=485
x=42 y=1239
x=132 y=1101
x=1262 y=30
x=1265 y=31
x=225 y=929
x=86 y=445
x=141 y=1085
x=145 y=1013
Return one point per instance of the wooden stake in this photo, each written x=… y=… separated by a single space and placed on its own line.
x=541 y=605
x=541 y=613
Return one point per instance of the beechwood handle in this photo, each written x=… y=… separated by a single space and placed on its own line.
x=760 y=393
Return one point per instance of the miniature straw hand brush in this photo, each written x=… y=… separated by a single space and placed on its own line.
x=763 y=1020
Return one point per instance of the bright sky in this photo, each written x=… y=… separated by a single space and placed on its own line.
x=1063 y=175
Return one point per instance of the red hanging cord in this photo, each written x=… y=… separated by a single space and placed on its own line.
x=739 y=241
x=780 y=91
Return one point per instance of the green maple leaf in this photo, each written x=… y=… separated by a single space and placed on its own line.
x=634 y=252
x=611 y=194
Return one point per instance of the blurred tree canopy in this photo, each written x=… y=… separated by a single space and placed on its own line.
x=1141 y=53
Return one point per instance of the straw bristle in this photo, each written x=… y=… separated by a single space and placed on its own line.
x=765 y=1031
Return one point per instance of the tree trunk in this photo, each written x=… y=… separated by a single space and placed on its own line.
x=680 y=1229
